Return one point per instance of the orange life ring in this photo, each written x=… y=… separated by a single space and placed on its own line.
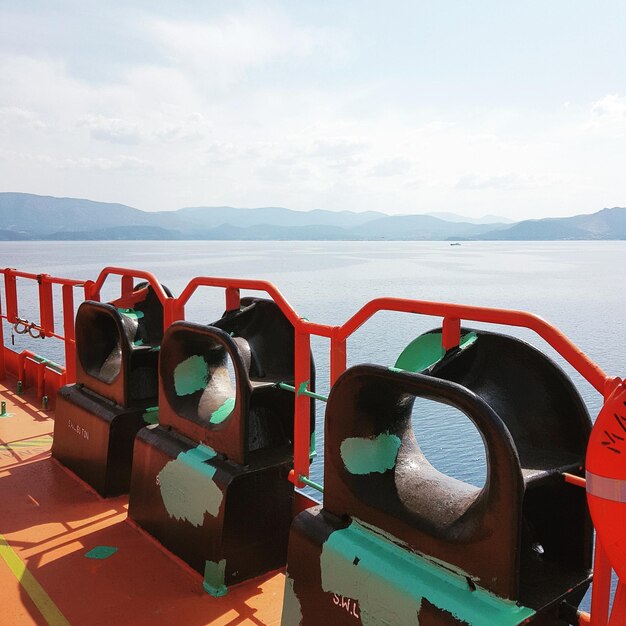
x=606 y=478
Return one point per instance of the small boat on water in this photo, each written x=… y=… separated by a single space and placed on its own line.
x=158 y=475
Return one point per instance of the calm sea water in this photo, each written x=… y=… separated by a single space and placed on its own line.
x=577 y=286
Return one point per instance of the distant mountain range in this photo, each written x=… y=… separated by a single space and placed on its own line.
x=31 y=217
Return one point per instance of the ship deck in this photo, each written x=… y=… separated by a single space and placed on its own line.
x=52 y=525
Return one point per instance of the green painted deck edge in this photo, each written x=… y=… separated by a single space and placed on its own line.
x=389 y=582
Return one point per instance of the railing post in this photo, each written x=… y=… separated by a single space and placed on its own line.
x=10 y=290
x=41 y=379
x=233 y=299
x=450 y=333
x=2 y=364
x=46 y=304
x=91 y=293
x=302 y=407
x=338 y=358
x=600 y=597
x=173 y=311
x=618 y=610
x=128 y=284
x=69 y=332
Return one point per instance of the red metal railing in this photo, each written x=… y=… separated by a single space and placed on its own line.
x=451 y=315
x=92 y=289
x=46 y=325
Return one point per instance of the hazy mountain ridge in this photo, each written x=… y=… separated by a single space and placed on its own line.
x=28 y=216
x=605 y=224
x=485 y=219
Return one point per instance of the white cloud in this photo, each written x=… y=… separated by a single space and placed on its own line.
x=120 y=163
x=13 y=115
x=607 y=116
x=391 y=167
x=111 y=129
x=222 y=51
x=162 y=127
x=611 y=108
x=510 y=181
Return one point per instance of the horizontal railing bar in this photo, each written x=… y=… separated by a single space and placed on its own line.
x=566 y=348
x=43 y=277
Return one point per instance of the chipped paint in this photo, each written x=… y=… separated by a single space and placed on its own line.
x=292 y=611
x=187 y=486
x=131 y=313
x=151 y=415
x=218 y=416
x=101 y=552
x=389 y=583
x=214 y=576
x=191 y=375
x=363 y=455
x=426 y=350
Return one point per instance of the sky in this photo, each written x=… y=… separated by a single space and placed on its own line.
x=516 y=109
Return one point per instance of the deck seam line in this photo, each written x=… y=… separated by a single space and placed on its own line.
x=44 y=603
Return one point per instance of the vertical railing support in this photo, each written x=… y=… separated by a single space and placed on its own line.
x=450 y=333
x=618 y=610
x=69 y=332
x=600 y=598
x=10 y=291
x=338 y=358
x=41 y=379
x=302 y=414
x=91 y=293
x=173 y=311
x=128 y=284
x=46 y=305
x=233 y=299
x=2 y=363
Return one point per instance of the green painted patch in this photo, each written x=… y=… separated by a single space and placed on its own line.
x=187 y=486
x=361 y=455
x=214 y=578
x=131 y=313
x=292 y=610
x=191 y=375
x=313 y=445
x=426 y=350
x=219 y=415
x=151 y=415
x=389 y=583
x=101 y=552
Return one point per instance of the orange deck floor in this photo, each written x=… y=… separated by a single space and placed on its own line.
x=49 y=520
